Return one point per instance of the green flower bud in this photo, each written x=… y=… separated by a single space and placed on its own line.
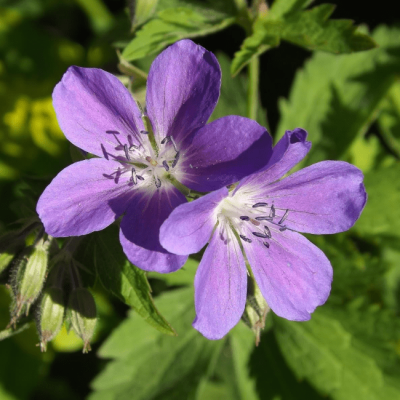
x=256 y=309
x=83 y=315
x=51 y=315
x=30 y=276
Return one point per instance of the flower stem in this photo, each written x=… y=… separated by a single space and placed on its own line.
x=252 y=89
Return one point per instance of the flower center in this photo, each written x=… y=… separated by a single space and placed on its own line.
x=147 y=165
x=251 y=221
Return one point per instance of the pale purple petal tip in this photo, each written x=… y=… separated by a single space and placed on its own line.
x=220 y=287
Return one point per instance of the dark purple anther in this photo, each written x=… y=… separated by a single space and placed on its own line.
x=126 y=152
x=165 y=165
x=175 y=160
x=144 y=132
x=246 y=239
x=263 y=218
x=272 y=212
x=267 y=231
x=266 y=244
x=259 y=205
x=244 y=218
x=260 y=235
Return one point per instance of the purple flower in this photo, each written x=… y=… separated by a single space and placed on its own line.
x=263 y=216
x=139 y=167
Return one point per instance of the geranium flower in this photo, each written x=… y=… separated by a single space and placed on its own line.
x=143 y=157
x=262 y=218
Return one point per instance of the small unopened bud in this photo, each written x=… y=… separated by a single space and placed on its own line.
x=51 y=315
x=256 y=309
x=30 y=276
x=83 y=315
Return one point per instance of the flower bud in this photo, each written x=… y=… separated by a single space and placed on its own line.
x=256 y=309
x=83 y=315
x=51 y=315
x=30 y=276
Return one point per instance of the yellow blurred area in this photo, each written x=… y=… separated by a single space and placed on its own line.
x=67 y=341
x=39 y=117
x=8 y=18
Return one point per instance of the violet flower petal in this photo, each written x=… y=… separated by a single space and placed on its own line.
x=220 y=287
x=288 y=152
x=95 y=110
x=294 y=276
x=190 y=225
x=225 y=151
x=139 y=234
x=84 y=197
x=182 y=90
x=327 y=197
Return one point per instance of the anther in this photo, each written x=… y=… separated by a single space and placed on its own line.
x=174 y=144
x=259 y=205
x=246 y=239
x=264 y=218
x=284 y=217
x=133 y=147
x=140 y=177
x=165 y=139
x=144 y=132
x=282 y=228
x=176 y=159
x=260 y=235
x=157 y=182
x=266 y=244
x=126 y=152
x=134 y=176
x=244 y=218
x=165 y=165
x=272 y=212
x=267 y=231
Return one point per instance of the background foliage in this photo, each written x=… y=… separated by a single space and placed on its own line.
x=294 y=65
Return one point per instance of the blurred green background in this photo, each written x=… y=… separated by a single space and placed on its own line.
x=349 y=104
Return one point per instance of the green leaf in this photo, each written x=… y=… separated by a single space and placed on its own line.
x=141 y=11
x=336 y=98
x=174 y=24
x=389 y=120
x=155 y=366
x=382 y=213
x=323 y=351
x=312 y=29
x=120 y=277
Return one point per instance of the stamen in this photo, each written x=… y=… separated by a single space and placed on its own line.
x=259 y=205
x=157 y=182
x=282 y=228
x=267 y=231
x=272 y=212
x=264 y=218
x=134 y=176
x=126 y=152
x=165 y=139
x=266 y=244
x=140 y=177
x=133 y=147
x=244 y=218
x=165 y=165
x=260 y=235
x=176 y=159
x=284 y=217
x=246 y=239
x=174 y=144
x=144 y=132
